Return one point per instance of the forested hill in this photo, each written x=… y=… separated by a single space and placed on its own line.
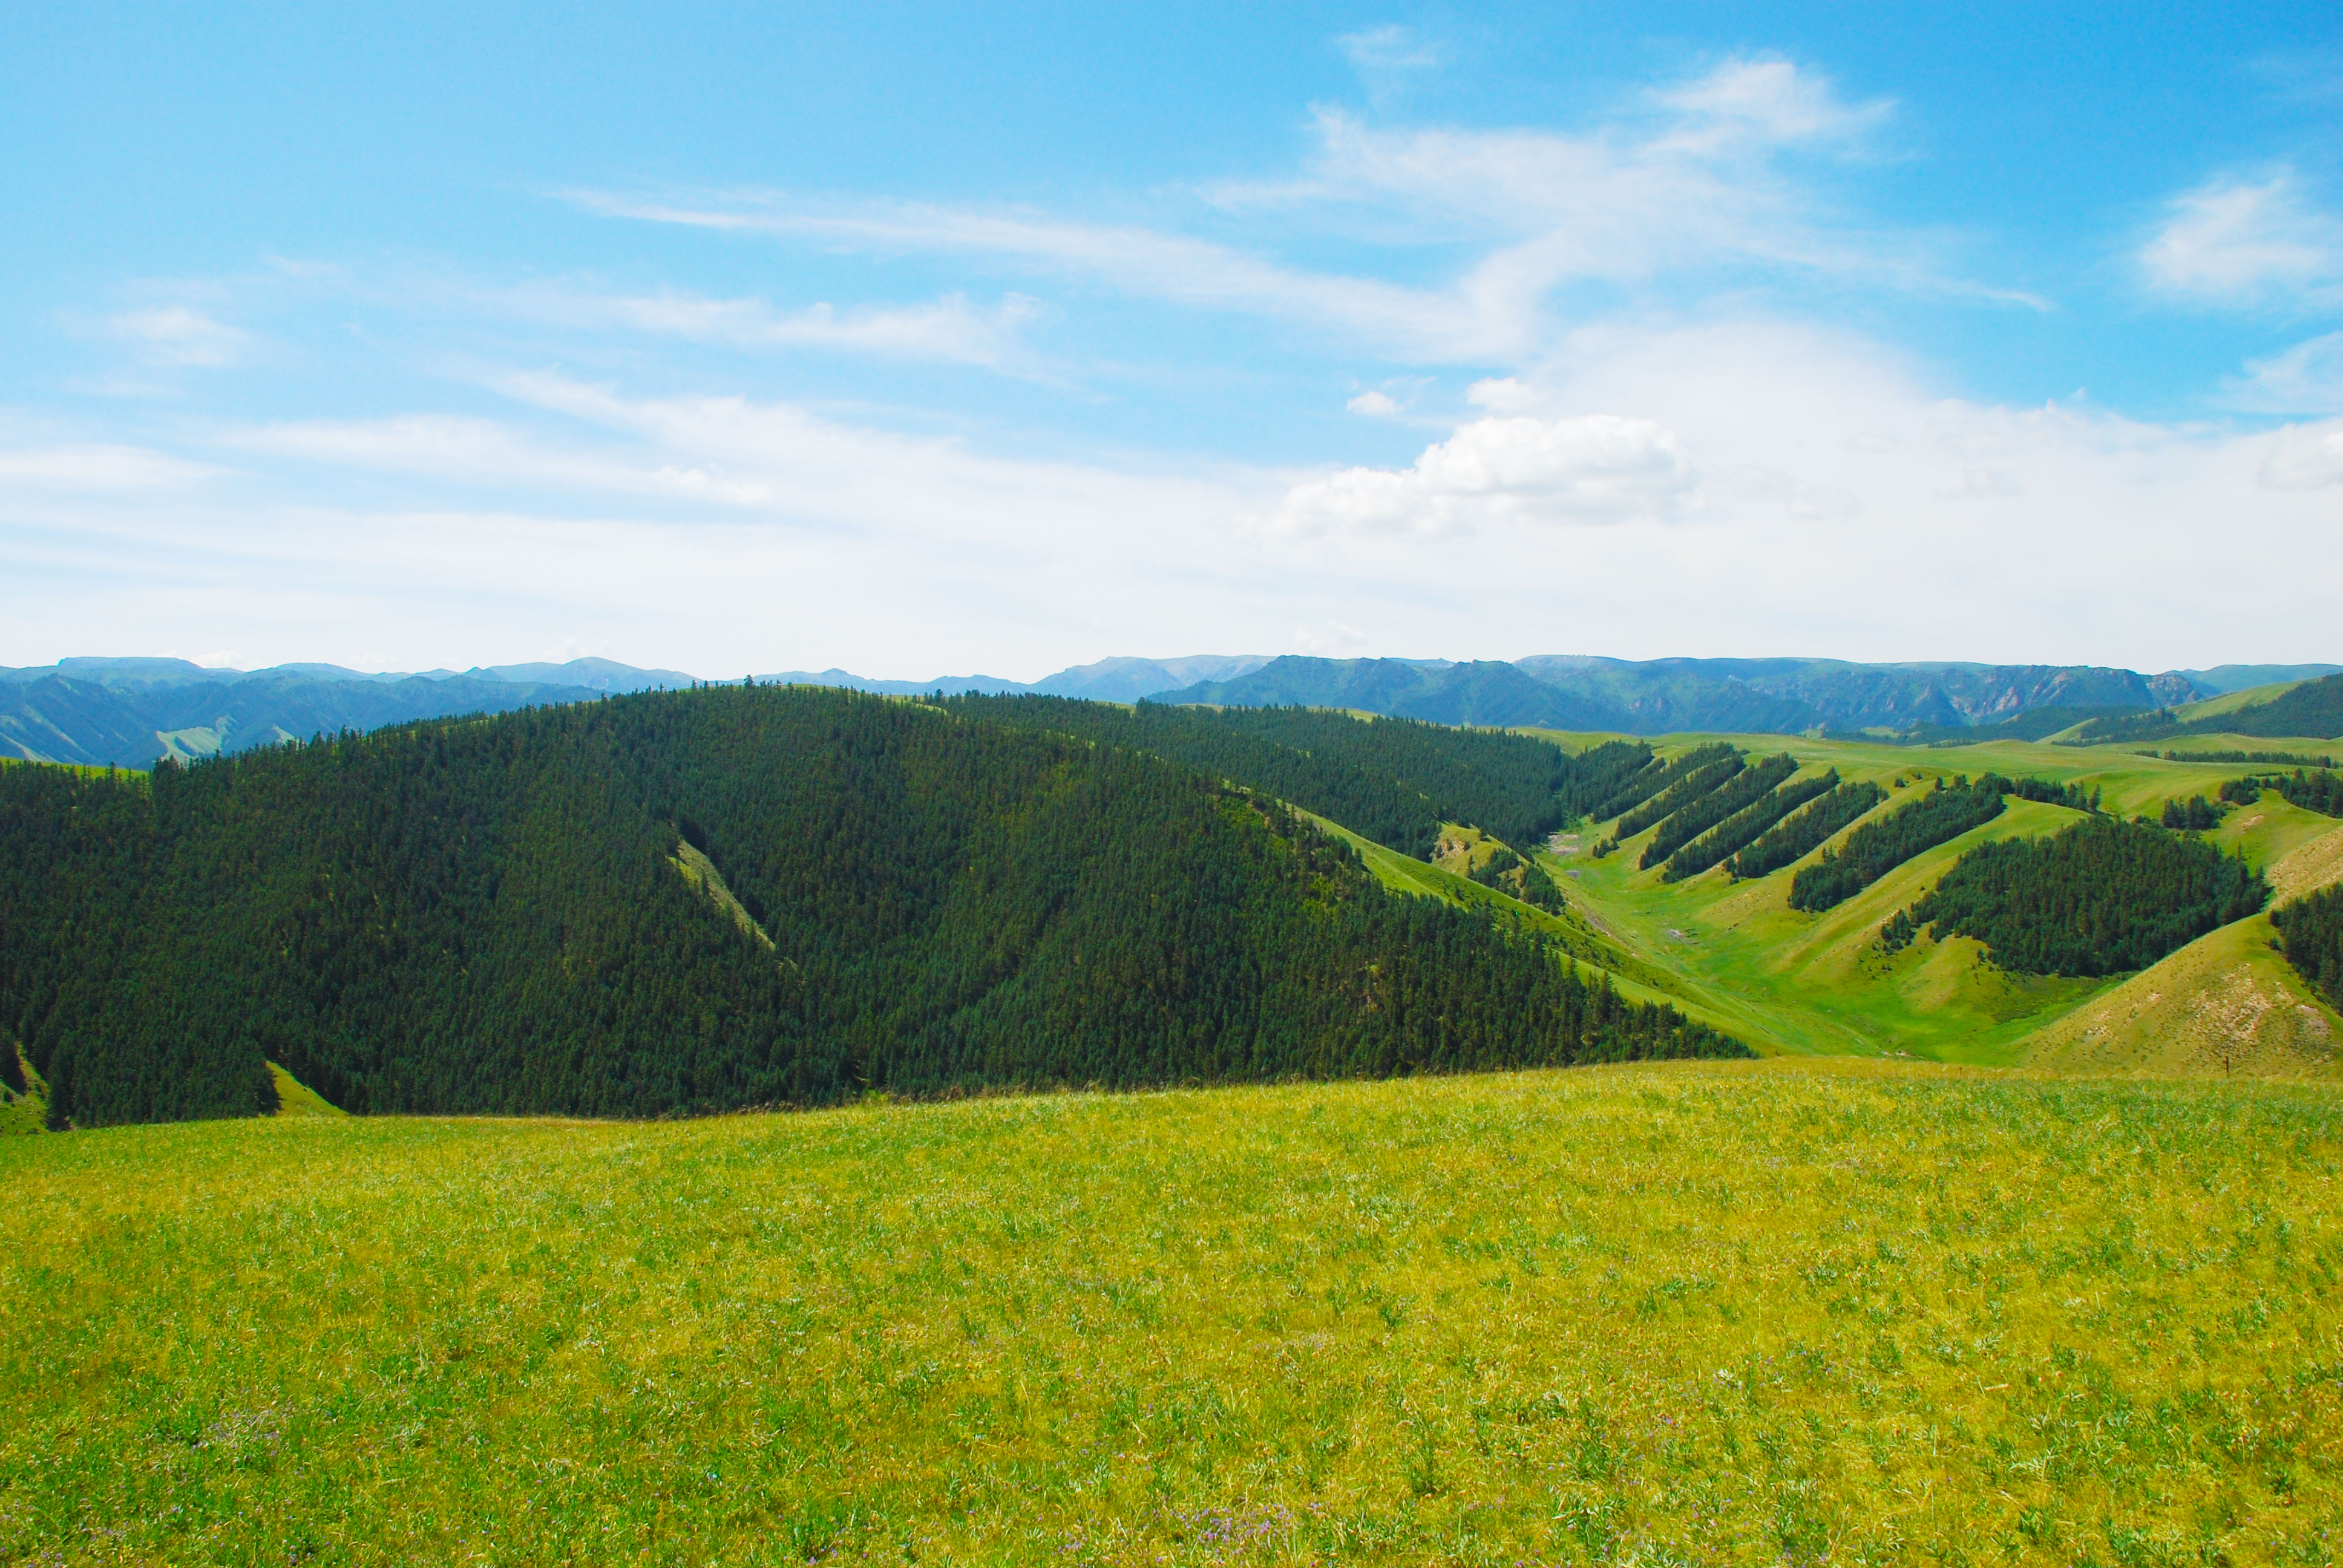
x=726 y=896
x=1395 y=780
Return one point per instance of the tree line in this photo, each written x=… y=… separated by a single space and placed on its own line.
x=1799 y=836
x=1742 y=790
x=1877 y=847
x=1742 y=828
x=1693 y=775
x=488 y=916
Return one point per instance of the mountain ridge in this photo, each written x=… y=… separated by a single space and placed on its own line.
x=133 y=711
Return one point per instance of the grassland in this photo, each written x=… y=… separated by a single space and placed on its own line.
x=1736 y=956
x=1754 y=1312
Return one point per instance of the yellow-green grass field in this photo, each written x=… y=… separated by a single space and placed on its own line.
x=1736 y=956
x=1782 y=1312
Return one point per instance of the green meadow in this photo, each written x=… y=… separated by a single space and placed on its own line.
x=1784 y=1311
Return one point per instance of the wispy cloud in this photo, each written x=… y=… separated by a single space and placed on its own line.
x=1765 y=101
x=2240 y=242
x=1389 y=48
x=951 y=328
x=1699 y=191
x=99 y=466
x=2308 y=378
x=179 y=334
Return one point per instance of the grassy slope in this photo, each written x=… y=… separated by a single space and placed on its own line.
x=295 y=1098
x=1817 y=984
x=2230 y=701
x=1693 y=1312
x=1584 y=940
x=2227 y=1002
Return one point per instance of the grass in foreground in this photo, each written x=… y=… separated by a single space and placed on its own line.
x=1691 y=1314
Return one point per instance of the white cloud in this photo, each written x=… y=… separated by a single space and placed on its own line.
x=950 y=329
x=2308 y=378
x=1769 y=101
x=179 y=334
x=1387 y=48
x=2306 y=457
x=2237 y=242
x=99 y=466
x=1541 y=209
x=1373 y=404
x=1595 y=468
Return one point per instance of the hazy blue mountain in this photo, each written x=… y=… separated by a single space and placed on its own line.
x=1657 y=696
x=129 y=711
x=129 y=723
x=1129 y=679
x=953 y=685
x=1483 y=692
x=2224 y=679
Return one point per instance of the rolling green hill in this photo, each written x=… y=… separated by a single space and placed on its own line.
x=1733 y=952
x=735 y=896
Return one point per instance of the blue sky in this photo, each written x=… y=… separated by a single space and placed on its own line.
x=927 y=341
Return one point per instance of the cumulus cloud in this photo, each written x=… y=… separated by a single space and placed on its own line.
x=1375 y=405
x=2246 y=242
x=1590 y=469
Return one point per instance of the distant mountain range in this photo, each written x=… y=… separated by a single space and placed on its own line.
x=131 y=712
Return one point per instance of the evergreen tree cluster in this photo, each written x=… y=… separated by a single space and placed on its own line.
x=1523 y=879
x=2194 y=815
x=2102 y=897
x=2074 y=797
x=1796 y=837
x=2257 y=758
x=1697 y=772
x=2321 y=792
x=1605 y=780
x=1875 y=849
x=1394 y=781
x=491 y=916
x=1657 y=777
x=2311 y=933
x=1737 y=793
x=1737 y=831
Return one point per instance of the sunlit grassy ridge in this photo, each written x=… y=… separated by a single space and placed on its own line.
x=1690 y=1313
x=1736 y=956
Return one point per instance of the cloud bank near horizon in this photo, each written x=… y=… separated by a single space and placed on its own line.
x=1629 y=385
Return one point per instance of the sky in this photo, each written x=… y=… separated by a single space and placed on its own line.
x=927 y=340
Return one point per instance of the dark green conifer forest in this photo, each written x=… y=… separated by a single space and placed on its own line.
x=1741 y=828
x=2311 y=933
x=1394 y=781
x=1741 y=790
x=2100 y=897
x=1797 y=836
x=494 y=915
